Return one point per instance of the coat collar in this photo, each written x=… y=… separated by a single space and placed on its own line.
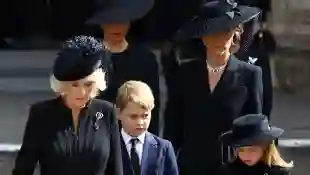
x=229 y=77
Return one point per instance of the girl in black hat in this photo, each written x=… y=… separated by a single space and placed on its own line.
x=128 y=61
x=73 y=134
x=252 y=139
x=212 y=89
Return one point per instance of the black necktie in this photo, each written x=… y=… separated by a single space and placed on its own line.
x=135 y=162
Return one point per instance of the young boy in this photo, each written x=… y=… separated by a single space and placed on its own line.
x=143 y=153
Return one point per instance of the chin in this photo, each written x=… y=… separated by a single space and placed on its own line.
x=80 y=104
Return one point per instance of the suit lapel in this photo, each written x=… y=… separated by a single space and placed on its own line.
x=150 y=152
x=229 y=77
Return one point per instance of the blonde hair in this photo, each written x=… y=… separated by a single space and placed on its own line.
x=272 y=157
x=98 y=76
x=137 y=92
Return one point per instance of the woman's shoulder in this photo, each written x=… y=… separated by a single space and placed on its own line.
x=44 y=104
x=103 y=105
x=247 y=67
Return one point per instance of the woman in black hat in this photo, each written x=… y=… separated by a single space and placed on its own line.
x=129 y=61
x=252 y=139
x=73 y=133
x=213 y=89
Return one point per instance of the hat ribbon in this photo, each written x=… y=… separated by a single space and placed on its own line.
x=234 y=11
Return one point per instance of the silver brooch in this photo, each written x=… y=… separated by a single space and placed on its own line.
x=99 y=115
x=252 y=60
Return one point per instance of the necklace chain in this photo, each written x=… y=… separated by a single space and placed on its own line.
x=216 y=70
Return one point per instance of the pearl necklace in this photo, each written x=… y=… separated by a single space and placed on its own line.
x=216 y=70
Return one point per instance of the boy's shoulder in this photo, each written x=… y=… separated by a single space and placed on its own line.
x=160 y=141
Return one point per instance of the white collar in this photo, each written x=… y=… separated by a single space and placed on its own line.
x=127 y=137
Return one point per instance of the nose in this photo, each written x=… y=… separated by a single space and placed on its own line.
x=140 y=122
x=82 y=91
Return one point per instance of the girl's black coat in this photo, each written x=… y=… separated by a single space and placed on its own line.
x=239 y=168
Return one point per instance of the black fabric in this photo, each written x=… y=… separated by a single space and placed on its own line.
x=135 y=63
x=71 y=66
x=193 y=110
x=91 y=148
x=80 y=57
x=261 y=46
x=251 y=129
x=134 y=158
x=216 y=16
x=264 y=5
x=237 y=167
x=120 y=11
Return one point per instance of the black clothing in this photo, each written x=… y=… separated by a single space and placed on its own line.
x=79 y=58
x=218 y=12
x=165 y=18
x=134 y=158
x=135 y=63
x=262 y=48
x=251 y=129
x=239 y=168
x=196 y=115
x=50 y=139
x=264 y=5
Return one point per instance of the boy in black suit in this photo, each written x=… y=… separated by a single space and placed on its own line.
x=143 y=153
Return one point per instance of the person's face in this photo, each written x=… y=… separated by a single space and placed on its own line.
x=250 y=155
x=78 y=93
x=135 y=119
x=115 y=32
x=219 y=43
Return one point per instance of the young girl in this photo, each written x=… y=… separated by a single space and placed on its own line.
x=252 y=139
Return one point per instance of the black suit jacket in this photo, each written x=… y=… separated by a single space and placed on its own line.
x=50 y=139
x=198 y=117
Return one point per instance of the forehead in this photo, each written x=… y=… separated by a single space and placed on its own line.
x=115 y=24
x=134 y=108
x=219 y=35
x=250 y=148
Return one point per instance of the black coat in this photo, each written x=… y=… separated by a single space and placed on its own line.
x=49 y=138
x=195 y=117
x=239 y=168
x=135 y=63
x=262 y=48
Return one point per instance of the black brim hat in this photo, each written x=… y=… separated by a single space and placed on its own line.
x=217 y=16
x=251 y=130
x=121 y=11
x=80 y=57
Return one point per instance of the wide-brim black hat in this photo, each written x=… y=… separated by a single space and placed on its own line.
x=217 y=16
x=250 y=130
x=121 y=11
x=79 y=58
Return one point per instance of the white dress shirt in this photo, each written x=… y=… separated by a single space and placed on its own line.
x=139 y=144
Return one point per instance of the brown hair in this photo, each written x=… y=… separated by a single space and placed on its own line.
x=137 y=92
x=236 y=39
